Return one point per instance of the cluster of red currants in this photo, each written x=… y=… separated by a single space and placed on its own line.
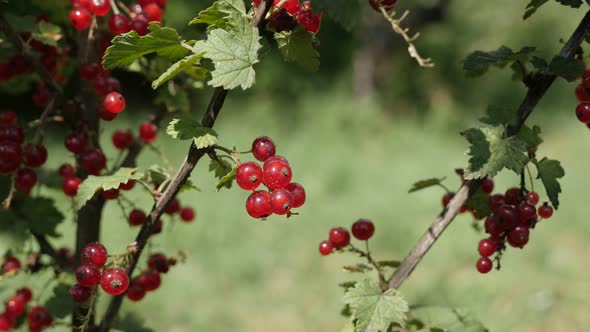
x=14 y=157
x=38 y=317
x=150 y=279
x=513 y=216
x=137 y=19
x=292 y=12
x=583 y=96
x=187 y=214
x=282 y=195
x=92 y=272
x=339 y=237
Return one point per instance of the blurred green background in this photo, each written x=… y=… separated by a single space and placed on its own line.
x=357 y=142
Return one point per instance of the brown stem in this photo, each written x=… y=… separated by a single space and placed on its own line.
x=537 y=89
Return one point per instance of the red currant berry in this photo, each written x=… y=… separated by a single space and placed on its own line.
x=249 y=176
x=495 y=201
x=150 y=280
x=8 y=118
x=137 y=217
x=66 y=255
x=263 y=147
x=281 y=201
x=363 y=229
x=76 y=142
x=387 y=4
x=122 y=139
x=128 y=185
x=298 y=194
x=492 y=226
x=518 y=237
x=34 y=155
x=487 y=186
x=89 y=71
x=513 y=196
x=526 y=212
x=447 y=198
x=40 y=316
x=157 y=229
x=187 y=214
x=110 y=194
x=6 y=323
x=158 y=262
x=113 y=85
x=276 y=158
x=545 y=211
x=80 y=294
x=276 y=175
x=153 y=12
x=105 y=115
x=114 y=102
x=10 y=264
x=88 y=275
x=306 y=18
x=15 y=307
x=66 y=171
x=94 y=253
x=10 y=155
x=173 y=207
x=258 y=204
x=140 y=24
x=70 y=186
x=148 y=132
x=114 y=281
x=6 y=72
x=100 y=7
x=507 y=216
x=119 y=24
x=582 y=94
x=12 y=134
x=25 y=179
x=583 y=112
x=326 y=248
x=101 y=85
x=281 y=20
x=80 y=4
x=24 y=294
x=339 y=237
x=487 y=247
x=532 y=197
x=94 y=161
x=136 y=291
x=484 y=265
x=80 y=18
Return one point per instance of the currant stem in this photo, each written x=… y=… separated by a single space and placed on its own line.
x=528 y=170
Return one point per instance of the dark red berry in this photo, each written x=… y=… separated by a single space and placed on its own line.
x=15 y=306
x=249 y=176
x=119 y=24
x=137 y=217
x=545 y=211
x=114 y=102
x=513 y=196
x=526 y=212
x=100 y=7
x=12 y=134
x=140 y=24
x=339 y=237
x=8 y=118
x=263 y=147
x=492 y=226
x=363 y=229
x=10 y=156
x=387 y=4
x=80 y=294
x=447 y=198
x=40 y=316
x=88 y=275
x=153 y=12
x=187 y=214
x=94 y=161
x=298 y=194
x=102 y=86
x=495 y=201
x=281 y=201
x=10 y=264
x=484 y=265
x=487 y=247
x=173 y=207
x=326 y=248
x=122 y=139
x=70 y=186
x=258 y=204
x=128 y=185
x=136 y=291
x=582 y=94
x=34 y=155
x=518 y=237
x=157 y=229
x=80 y=18
x=150 y=280
x=487 y=186
x=24 y=294
x=158 y=262
x=105 y=115
x=148 y=132
x=6 y=323
x=532 y=197
x=281 y=20
x=276 y=158
x=94 y=253
x=114 y=281
x=89 y=71
x=583 y=112
x=276 y=175
x=507 y=216
x=66 y=171
x=110 y=194
x=76 y=142
x=25 y=179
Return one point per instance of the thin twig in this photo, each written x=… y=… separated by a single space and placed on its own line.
x=536 y=91
x=8 y=200
x=39 y=132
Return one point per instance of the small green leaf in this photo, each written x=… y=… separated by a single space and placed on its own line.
x=375 y=310
x=434 y=318
x=358 y=268
x=423 y=184
x=173 y=99
x=60 y=303
x=47 y=33
x=498 y=115
x=549 y=171
x=25 y=23
x=531 y=136
x=13 y=231
x=233 y=53
x=94 y=183
x=181 y=66
x=128 y=47
x=479 y=62
x=218 y=14
x=532 y=7
x=389 y=263
x=571 y=3
x=347 y=284
x=568 y=69
x=298 y=46
x=207 y=138
x=42 y=215
x=228 y=179
x=184 y=128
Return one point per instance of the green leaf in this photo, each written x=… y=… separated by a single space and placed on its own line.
x=498 y=115
x=549 y=171
x=222 y=170
x=347 y=284
x=60 y=302
x=184 y=128
x=298 y=46
x=571 y=3
x=228 y=179
x=94 y=183
x=218 y=14
x=41 y=214
x=21 y=23
x=375 y=311
x=532 y=7
x=491 y=152
x=343 y=12
x=128 y=47
x=531 y=136
x=568 y=69
x=233 y=53
x=479 y=201
x=13 y=231
x=389 y=263
x=423 y=184
x=358 y=268
x=181 y=66
x=446 y=319
x=173 y=99
x=48 y=33
x=479 y=62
